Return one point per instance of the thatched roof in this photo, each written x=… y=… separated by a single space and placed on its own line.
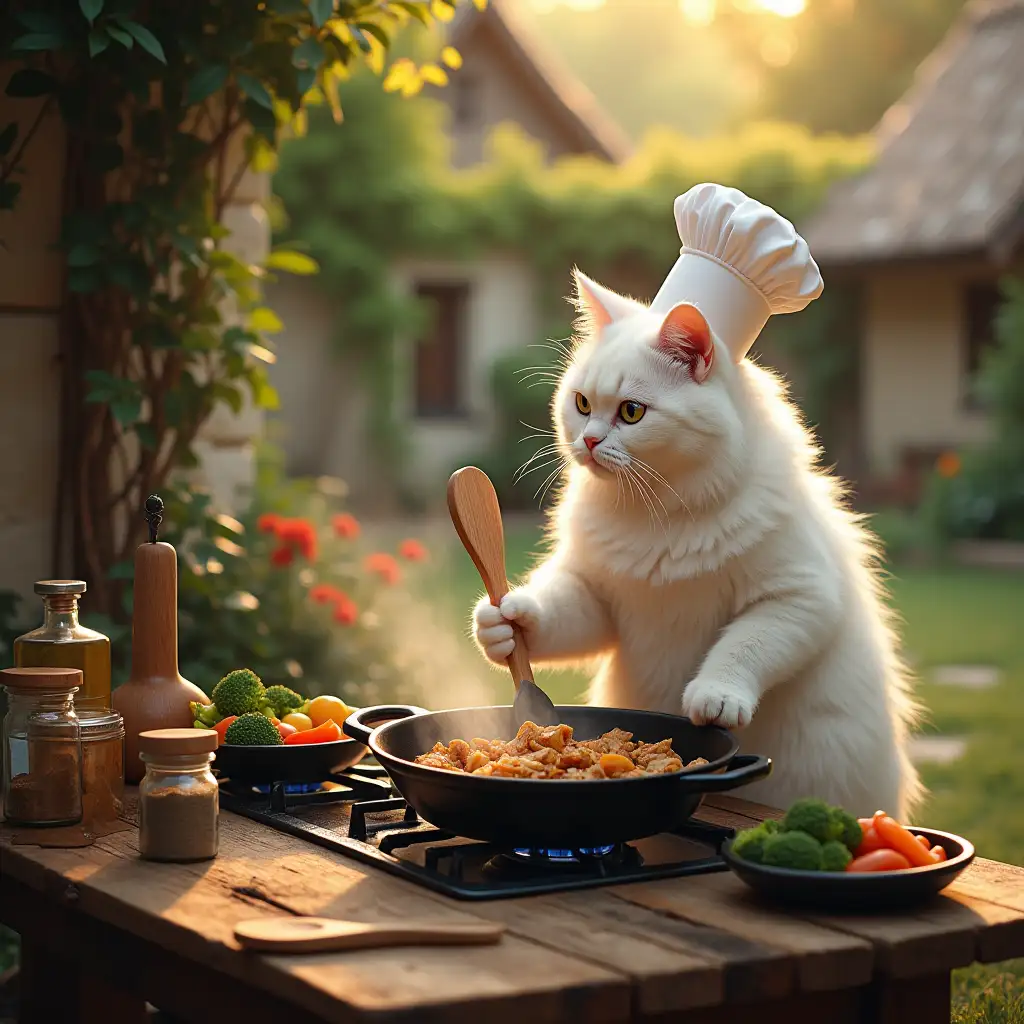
x=577 y=109
x=949 y=178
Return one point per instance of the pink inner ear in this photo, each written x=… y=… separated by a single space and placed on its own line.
x=591 y=305
x=686 y=338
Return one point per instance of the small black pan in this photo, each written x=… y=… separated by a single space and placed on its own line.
x=551 y=813
x=299 y=762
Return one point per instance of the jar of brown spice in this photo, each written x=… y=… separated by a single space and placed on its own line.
x=42 y=747
x=102 y=765
x=179 y=801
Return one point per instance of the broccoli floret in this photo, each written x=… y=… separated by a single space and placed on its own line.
x=283 y=700
x=749 y=843
x=771 y=826
x=835 y=856
x=239 y=692
x=793 y=849
x=205 y=713
x=846 y=828
x=252 y=729
x=812 y=816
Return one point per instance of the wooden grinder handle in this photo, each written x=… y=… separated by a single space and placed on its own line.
x=476 y=515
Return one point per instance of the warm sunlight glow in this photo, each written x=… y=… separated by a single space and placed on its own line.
x=783 y=8
x=576 y=5
x=700 y=12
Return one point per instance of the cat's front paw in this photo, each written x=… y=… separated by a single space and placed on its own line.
x=709 y=702
x=493 y=626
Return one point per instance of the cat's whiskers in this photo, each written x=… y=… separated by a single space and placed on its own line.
x=661 y=481
x=543 y=489
x=544 y=453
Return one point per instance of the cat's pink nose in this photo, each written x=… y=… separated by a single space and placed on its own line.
x=591 y=442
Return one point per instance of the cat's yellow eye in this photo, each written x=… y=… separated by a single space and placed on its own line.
x=583 y=404
x=632 y=412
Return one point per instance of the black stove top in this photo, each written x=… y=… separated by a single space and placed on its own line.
x=358 y=813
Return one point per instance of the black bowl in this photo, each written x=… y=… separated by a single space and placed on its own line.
x=859 y=893
x=298 y=762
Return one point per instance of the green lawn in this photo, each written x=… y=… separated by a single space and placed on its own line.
x=950 y=616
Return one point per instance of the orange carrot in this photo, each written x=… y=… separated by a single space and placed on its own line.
x=924 y=841
x=939 y=853
x=879 y=860
x=222 y=727
x=869 y=840
x=325 y=733
x=894 y=835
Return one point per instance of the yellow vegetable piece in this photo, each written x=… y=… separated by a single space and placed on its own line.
x=300 y=722
x=326 y=708
x=616 y=764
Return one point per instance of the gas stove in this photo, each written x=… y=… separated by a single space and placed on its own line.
x=359 y=814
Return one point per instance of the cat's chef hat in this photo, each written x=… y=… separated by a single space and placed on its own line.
x=740 y=262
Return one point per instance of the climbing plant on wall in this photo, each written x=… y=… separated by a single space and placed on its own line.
x=166 y=105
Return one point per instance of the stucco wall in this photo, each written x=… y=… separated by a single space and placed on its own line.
x=914 y=352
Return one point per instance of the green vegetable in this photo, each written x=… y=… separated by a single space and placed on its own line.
x=238 y=693
x=749 y=843
x=205 y=713
x=812 y=816
x=835 y=856
x=283 y=700
x=846 y=828
x=252 y=729
x=771 y=826
x=792 y=849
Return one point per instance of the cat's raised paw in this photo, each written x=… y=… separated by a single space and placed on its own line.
x=493 y=626
x=707 y=702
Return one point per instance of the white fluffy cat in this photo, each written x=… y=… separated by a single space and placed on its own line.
x=712 y=567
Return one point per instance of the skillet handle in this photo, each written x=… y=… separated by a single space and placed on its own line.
x=360 y=724
x=743 y=768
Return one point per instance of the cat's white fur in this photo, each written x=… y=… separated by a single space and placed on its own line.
x=710 y=565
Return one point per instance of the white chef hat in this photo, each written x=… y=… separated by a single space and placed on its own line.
x=740 y=262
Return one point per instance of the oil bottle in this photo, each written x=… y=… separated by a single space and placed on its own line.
x=63 y=642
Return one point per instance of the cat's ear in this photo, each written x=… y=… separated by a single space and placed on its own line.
x=599 y=306
x=686 y=338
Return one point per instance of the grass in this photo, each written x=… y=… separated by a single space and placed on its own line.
x=950 y=616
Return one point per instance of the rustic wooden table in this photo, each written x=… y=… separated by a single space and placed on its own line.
x=104 y=931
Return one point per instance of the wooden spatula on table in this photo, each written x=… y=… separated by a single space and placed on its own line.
x=477 y=517
x=327 y=935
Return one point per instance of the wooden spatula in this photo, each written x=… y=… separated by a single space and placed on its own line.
x=477 y=517
x=326 y=935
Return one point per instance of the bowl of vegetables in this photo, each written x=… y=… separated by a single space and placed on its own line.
x=821 y=857
x=275 y=734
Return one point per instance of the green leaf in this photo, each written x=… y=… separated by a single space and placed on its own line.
x=292 y=262
x=263 y=394
x=265 y=319
x=7 y=137
x=255 y=90
x=82 y=255
x=35 y=41
x=121 y=571
x=376 y=31
x=206 y=82
x=145 y=39
x=9 y=191
x=417 y=10
x=91 y=9
x=360 y=37
x=321 y=10
x=305 y=78
x=146 y=435
x=105 y=386
x=121 y=36
x=309 y=51
x=126 y=409
x=84 y=279
x=287 y=6
x=28 y=82
x=99 y=40
x=41 y=21
x=262 y=120
x=228 y=394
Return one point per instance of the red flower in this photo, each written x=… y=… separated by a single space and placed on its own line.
x=299 y=533
x=324 y=593
x=412 y=551
x=345 y=526
x=282 y=556
x=267 y=523
x=384 y=566
x=345 y=611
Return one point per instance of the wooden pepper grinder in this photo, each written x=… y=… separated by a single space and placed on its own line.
x=156 y=695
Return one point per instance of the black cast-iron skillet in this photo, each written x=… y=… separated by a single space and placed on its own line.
x=551 y=813
x=298 y=762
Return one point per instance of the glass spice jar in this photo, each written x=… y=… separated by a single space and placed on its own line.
x=102 y=765
x=42 y=747
x=179 y=801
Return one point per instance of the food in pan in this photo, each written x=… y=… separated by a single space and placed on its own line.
x=814 y=836
x=240 y=698
x=551 y=752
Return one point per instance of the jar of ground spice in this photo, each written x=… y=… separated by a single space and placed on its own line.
x=42 y=747
x=102 y=765
x=178 y=796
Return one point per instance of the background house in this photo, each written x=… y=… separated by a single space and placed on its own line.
x=924 y=236
x=484 y=308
